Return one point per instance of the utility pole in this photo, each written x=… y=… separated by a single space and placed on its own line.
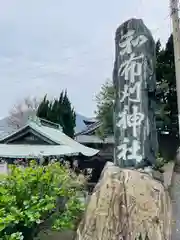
x=175 y=185
x=176 y=39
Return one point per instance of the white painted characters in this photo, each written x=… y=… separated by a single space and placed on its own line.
x=129 y=152
x=131 y=117
x=131 y=69
x=128 y=41
x=133 y=120
x=129 y=91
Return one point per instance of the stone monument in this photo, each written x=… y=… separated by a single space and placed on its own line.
x=135 y=85
x=127 y=204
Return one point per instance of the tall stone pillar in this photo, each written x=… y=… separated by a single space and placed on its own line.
x=126 y=203
x=135 y=83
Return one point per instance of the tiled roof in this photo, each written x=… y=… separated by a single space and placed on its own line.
x=31 y=151
x=57 y=136
x=6 y=127
x=90 y=129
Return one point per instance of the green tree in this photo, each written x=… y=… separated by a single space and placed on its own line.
x=38 y=196
x=68 y=116
x=105 y=108
x=166 y=114
x=166 y=85
x=43 y=108
x=59 y=111
x=53 y=112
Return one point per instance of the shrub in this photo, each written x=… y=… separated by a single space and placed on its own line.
x=32 y=198
x=160 y=162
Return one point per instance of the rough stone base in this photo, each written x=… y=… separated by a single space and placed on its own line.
x=124 y=204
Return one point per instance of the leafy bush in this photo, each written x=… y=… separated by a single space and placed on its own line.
x=160 y=162
x=32 y=198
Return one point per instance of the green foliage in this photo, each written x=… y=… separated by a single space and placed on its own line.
x=68 y=116
x=36 y=196
x=166 y=85
x=42 y=109
x=166 y=114
x=59 y=111
x=105 y=109
x=160 y=162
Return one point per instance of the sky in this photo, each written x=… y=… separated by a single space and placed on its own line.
x=50 y=45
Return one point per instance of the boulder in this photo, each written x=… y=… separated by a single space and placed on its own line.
x=124 y=205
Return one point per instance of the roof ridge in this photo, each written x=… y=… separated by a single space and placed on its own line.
x=89 y=128
x=44 y=122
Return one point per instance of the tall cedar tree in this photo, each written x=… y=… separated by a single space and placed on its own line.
x=166 y=85
x=68 y=116
x=59 y=111
x=43 y=108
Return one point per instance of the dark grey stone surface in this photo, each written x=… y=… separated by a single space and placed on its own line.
x=135 y=82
